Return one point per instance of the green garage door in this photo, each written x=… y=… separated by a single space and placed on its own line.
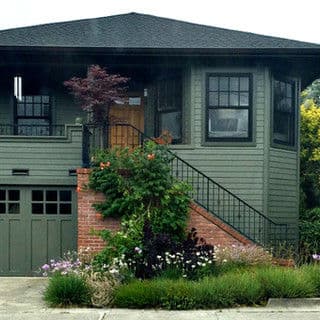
x=36 y=224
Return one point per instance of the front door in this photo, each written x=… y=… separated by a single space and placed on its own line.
x=36 y=224
x=122 y=115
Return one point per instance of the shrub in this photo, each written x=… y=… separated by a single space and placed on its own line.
x=310 y=231
x=241 y=255
x=250 y=287
x=190 y=258
x=312 y=274
x=67 y=290
x=280 y=282
x=140 y=294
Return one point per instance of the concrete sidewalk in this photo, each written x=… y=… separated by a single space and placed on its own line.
x=21 y=298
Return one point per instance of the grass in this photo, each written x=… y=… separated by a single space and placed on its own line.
x=67 y=290
x=252 y=286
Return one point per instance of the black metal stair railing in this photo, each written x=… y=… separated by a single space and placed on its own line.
x=206 y=192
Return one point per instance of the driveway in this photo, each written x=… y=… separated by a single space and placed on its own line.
x=21 y=298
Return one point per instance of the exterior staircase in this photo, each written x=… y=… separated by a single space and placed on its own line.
x=206 y=193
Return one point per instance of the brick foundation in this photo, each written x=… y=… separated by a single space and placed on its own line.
x=213 y=230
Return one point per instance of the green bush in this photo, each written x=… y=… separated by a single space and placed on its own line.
x=250 y=287
x=280 y=282
x=66 y=290
x=312 y=274
x=310 y=231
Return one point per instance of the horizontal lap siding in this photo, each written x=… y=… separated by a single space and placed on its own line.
x=283 y=188
x=51 y=158
x=237 y=168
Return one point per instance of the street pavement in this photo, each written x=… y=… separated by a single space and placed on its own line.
x=21 y=298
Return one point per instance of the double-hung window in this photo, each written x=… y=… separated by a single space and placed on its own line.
x=229 y=107
x=284 y=113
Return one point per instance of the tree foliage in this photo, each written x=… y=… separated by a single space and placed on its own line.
x=98 y=91
x=312 y=92
x=310 y=153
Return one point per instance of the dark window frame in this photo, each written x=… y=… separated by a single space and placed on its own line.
x=47 y=117
x=175 y=108
x=293 y=116
x=249 y=107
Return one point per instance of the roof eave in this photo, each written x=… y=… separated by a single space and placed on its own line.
x=166 y=51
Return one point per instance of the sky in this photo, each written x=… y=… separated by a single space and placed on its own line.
x=292 y=19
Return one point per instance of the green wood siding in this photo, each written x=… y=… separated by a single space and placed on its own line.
x=47 y=158
x=237 y=166
x=283 y=188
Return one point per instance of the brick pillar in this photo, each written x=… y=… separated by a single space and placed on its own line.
x=88 y=218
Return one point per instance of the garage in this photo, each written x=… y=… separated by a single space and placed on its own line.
x=36 y=224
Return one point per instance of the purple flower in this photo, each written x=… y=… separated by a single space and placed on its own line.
x=45 y=267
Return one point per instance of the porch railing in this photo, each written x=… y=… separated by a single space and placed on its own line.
x=206 y=192
x=31 y=130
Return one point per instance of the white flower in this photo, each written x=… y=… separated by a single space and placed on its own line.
x=193 y=266
x=198 y=253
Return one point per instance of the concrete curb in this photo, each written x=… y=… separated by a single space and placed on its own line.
x=310 y=303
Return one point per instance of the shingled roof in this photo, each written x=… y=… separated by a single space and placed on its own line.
x=141 y=31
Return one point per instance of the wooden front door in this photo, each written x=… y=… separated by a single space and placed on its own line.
x=121 y=116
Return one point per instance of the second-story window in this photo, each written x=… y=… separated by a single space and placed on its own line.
x=33 y=115
x=229 y=107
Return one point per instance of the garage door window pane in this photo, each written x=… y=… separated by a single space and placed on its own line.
x=65 y=208
x=37 y=208
x=51 y=195
x=65 y=195
x=14 y=195
x=14 y=208
x=51 y=208
x=37 y=195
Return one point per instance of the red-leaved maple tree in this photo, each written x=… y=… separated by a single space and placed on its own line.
x=98 y=92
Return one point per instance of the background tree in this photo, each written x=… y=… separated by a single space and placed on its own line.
x=98 y=92
x=310 y=154
x=312 y=92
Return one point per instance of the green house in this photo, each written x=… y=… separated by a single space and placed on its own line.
x=230 y=100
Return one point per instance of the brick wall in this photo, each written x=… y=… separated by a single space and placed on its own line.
x=208 y=227
x=88 y=218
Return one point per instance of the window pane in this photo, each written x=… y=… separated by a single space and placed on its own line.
x=213 y=99
x=14 y=208
x=2 y=208
x=281 y=127
x=244 y=99
x=37 y=208
x=234 y=84
x=244 y=84
x=51 y=195
x=213 y=84
x=284 y=113
x=223 y=99
x=2 y=195
x=37 y=110
x=29 y=111
x=228 y=123
x=51 y=208
x=224 y=84
x=20 y=109
x=65 y=195
x=65 y=208
x=37 y=195
x=14 y=195
x=234 y=99
x=171 y=122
